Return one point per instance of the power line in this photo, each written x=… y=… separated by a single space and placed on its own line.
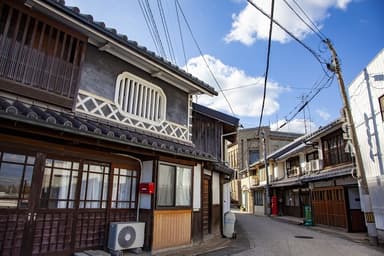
x=146 y=18
x=151 y=23
x=166 y=31
x=202 y=55
x=311 y=28
x=328 y=82
x=317 y=57
x=310 y=20
x=267 y=66
x=244 y=85
x=181 y=35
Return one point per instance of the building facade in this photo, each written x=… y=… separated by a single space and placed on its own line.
x=249 y=149
x=366 y=95
x=95 y=129
x=315 y=173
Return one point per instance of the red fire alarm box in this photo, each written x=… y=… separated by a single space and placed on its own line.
x=147 y=188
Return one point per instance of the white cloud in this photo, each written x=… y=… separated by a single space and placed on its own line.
x=250 y=25
x=323 y=114
x=295 y=125
x=244 y=92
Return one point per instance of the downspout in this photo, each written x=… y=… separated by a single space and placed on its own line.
x=141 y=171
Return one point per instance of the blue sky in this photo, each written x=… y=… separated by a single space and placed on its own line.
x=233 y=37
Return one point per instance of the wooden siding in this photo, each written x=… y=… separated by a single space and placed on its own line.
x=216 y=219
x=38 y=57
x=206 y=204
x=206 y=134
x=171 y=228
x=329 y=207
x=197 y=233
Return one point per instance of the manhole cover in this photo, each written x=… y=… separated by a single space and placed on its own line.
x=304 y=237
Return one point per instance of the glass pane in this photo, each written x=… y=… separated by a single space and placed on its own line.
x=96 y=168
x=27 y=183
x=59 y=188
x=10 y=180
x=105 y=188
x=31 y=160
x=75 y=166
x=165 y=188
x=73 y=186
x=94 y=187
x=8 y=157
x=125 y=189
x=48 y=162
x=62 y=164
x=133 y=189
x=183 y=186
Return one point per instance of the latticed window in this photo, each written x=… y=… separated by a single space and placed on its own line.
x=139 y=98
x=124 y=188
x=37 y=53
x=59 y=184
x=334 y=149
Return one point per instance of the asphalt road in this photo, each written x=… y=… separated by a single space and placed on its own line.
x=260 y=235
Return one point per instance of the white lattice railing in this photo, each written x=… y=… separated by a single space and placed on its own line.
x=103 y=108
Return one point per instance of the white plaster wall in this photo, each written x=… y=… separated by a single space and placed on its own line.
x=146 y=176
x=197 y=188
x=215 y=188
x=364 y=93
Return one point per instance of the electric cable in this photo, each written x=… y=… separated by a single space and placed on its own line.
x=311 y=28
x=310 y=20
x=166 y=31
x=202 y=55
x=181 y=35
x=267 y=65
x=146 y=18
x=328 y=82
x=317 y=57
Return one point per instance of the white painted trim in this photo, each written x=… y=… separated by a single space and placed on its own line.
x=165 y=128
x=150 y=114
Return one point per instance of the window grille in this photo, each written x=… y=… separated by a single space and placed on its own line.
x=139 y=98
x=38 y=53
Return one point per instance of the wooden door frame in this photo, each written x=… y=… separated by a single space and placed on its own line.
x=209 y=179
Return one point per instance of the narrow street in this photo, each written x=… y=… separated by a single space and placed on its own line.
x=260 y=235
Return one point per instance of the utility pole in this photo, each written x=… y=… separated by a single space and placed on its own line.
x=365 y=201
x=267 y=192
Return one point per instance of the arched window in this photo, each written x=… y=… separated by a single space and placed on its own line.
x=139 y=98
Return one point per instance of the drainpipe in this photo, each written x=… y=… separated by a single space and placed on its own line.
x=141 y=171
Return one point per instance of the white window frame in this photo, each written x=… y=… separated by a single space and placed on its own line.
x=138 y=98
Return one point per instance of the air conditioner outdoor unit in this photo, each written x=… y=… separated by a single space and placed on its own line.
x=126 y=235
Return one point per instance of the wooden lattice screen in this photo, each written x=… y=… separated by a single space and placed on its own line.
x=40 y=54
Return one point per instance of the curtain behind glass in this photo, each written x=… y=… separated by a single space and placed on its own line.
x=183 y=186
x=165 y=188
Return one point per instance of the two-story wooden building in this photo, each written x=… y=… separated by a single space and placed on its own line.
x=316 y=170
x=95 y=129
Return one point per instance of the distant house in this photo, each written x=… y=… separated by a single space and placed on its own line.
x=366 y=95
x=247 y=150
x=94 y=130
x=316 y=171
